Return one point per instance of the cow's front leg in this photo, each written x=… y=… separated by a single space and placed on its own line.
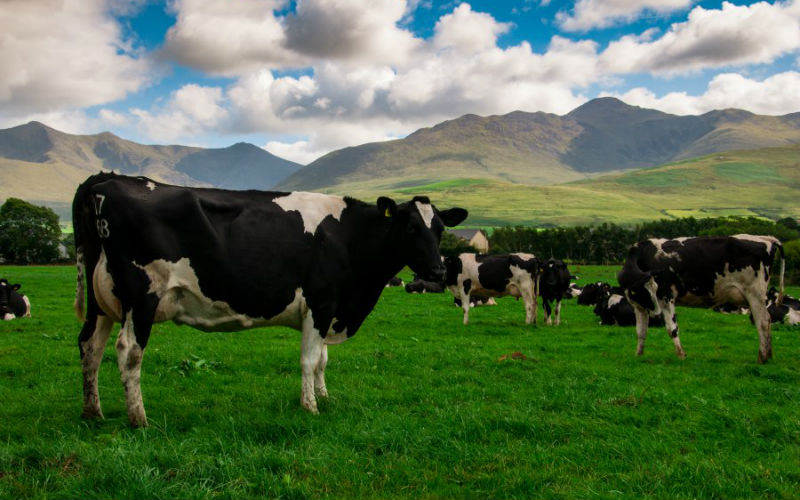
x=130 y=349
x=642 y=319
x=310 y=357
x=547 y=311
x=92 y=344
x=530 y=306
x=558 y=312
x=671 y=323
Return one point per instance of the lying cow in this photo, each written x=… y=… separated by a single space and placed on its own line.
x=787 y=313
x=554 y=286
x=12 y=303
x=423 y=286
x=394 y=281
x=222 y=260
x=611 y=306
x=494 y=276
x=701 y=272
x=476 y=300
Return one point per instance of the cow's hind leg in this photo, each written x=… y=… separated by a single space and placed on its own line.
x=642 y=319
x=761 y=318
x=319 y=373
x=547 y=312
x=671 y=323
x=310 y=357
x=132 y=340
x=92 y=343
x=530 y=306
x=558 y=312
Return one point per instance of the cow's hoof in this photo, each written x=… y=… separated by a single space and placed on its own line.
x=139 y=423
x=310 y=405
x=763 y=358
x=322 y=392
x=92 y=414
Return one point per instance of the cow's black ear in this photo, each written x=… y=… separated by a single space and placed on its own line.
x=16 y=286
x=387 y=206
x=453 y=217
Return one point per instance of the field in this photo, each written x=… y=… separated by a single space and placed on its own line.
x=421 y=407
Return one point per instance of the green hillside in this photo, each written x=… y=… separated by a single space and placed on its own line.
x=763 y=182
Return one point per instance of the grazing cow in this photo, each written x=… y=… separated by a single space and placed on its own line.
x=394 y=281
x=423 y=286
x=222 y=260
x=701 y=272
x=13 y=304
x=514 y=274
x=553 y=286
x=788 y=312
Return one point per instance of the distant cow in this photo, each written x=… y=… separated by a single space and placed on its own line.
x=424 y=286
x=13 y=304
x=788 y=312
x=494 y=276
x=701 y=272
x=394 y=281
x=553 y=287
x=591 y=293
x=223 y=260
x=476 y=300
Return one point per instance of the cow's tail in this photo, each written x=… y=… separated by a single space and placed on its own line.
x=783 y=272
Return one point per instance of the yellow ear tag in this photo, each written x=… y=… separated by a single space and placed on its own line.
x=387 y=213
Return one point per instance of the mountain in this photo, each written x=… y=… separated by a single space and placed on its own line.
x=41 y=164
x=604 y=135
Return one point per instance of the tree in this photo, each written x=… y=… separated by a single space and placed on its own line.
x=451 y=245
x=28 y=234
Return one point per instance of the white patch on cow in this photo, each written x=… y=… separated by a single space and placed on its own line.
x=614 y=299
x=8 y=316
x=151 y=185
x=730 y=286
x=182 y=301
x=313 y=207
x=335 y=337
x=651 y=286
x=793 y=317
x=426 y=211
x=103 y=285
x=27 y=306
x=660 y=253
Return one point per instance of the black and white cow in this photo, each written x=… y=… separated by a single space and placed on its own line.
x=513 y=274
x=554 y=286
x=12 y=303
x=611 y=306
x=420 y=285
x=394 y=281
x=222 y=260
x=476 y=300
x=788 y=312
x=701 y=272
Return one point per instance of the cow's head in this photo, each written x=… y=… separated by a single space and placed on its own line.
x=640 y=286
x=5 y=297
x=416 y=231
x=554 y=274
x=592 y=293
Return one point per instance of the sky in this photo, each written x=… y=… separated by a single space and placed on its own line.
x=306 y=77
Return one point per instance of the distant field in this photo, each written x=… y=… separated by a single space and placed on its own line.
x=421 y=407
x=762 y=183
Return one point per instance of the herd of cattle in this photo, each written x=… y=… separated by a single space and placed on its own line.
x=222 y=260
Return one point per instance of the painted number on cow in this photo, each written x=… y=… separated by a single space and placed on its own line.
x=102 y=223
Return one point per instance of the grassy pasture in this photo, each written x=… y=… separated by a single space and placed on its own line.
x=421 y=407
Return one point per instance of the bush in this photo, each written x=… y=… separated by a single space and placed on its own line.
x=28 y=234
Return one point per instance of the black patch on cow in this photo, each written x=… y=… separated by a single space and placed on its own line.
x=467 y=286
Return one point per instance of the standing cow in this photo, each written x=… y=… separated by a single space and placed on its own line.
x=12 y=303
x=701 y=272
x=222 y=260
x=554 y=285
x=494 y=276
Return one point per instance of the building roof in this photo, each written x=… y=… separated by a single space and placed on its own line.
x=466 y=234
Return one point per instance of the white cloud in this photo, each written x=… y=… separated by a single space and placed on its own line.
x=57 y=56
x=191 y=110
x=728 y=90
x=588 y=14
x=467 y=31
x=711 y=38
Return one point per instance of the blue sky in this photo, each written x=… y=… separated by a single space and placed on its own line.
x=302 y=78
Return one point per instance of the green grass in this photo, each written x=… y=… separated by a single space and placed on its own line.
x=421 y=407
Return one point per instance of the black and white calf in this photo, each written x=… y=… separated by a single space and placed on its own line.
x=701 y=272
x=12 y=303
x=494 y=276
x=554 y=286
x=222 y=260
x=611 y=306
